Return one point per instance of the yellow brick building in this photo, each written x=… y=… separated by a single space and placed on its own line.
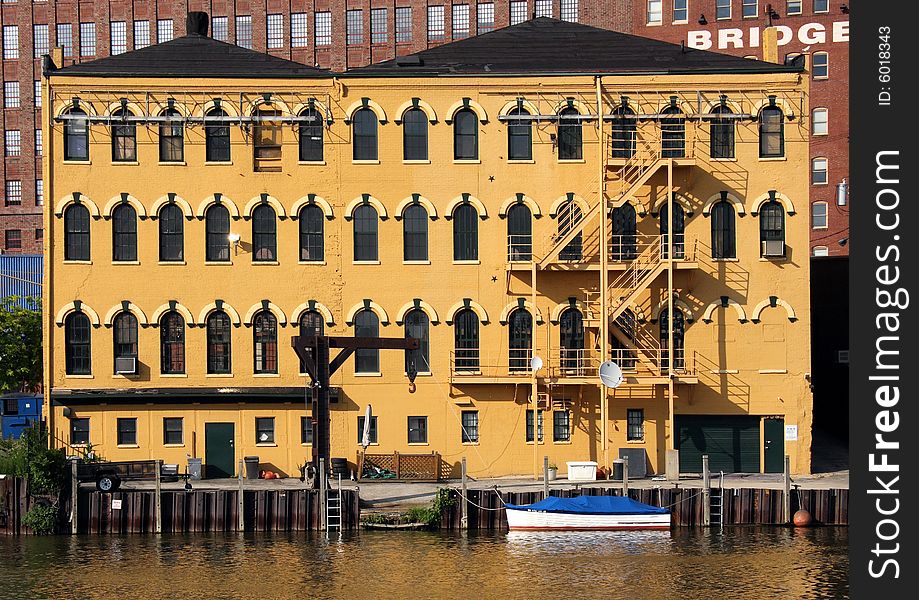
x=207 y=203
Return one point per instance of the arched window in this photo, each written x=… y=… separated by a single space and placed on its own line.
x=172 y=137
x=265 y=342
x=124 y=137
x=624 y=246
x=172 y=233
x=771 y=132
x=124 y=233
x=124 y=336
x=77 y=349
x=570 y=139
x=466 y=340
x=76 y=232
x=217 y=228
x=415 y=233
x=218 y=343
x=366 y=324
x=264 y=234
x=418 y=326
x=679 y=229
x=519 y=135
x=772 y=229
x=623 y=354
x=172 y=343
x=364 y=125
x=365 y=233
x=311 y=134
x=414 y=135
x=520 y=340
x=76 y=135
x=571 y=339
x=678 y=330
x=722 y=133
x=673 y=133
x=217 y=136
x=311 y=324
x=465 y=135
x=465 y=233
x=267 y=140
x=519 y=233
x=623 y=131
x=312 y=243
x=723 y=239
x=569 y=215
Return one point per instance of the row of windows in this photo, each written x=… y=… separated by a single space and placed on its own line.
x=11 y=95
x=415 y=238
x=749 y=9
x=267 y=137
x=12 y=238
x=12 y=189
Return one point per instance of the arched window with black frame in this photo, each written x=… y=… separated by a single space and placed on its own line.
x=679 y=230
x=264 y=234
x=124 y=336
x=520 y=340
x=519 y=135
x=415 y=233
x=219 y=343
x=364 y=127
x=721 y=130
x=172 y=137
x=366 y=227
x=465 y=135
x=771 y=132
x=172 y=343
x=76 y=135
x=417 y=325
x=124 y=233
x=519 y=233
x=624 y=354
x=414 y=135
x=623 y=131
x=312 y=232
x=625 y=237
x=124 y=136
x=217 y=232
x=724 y=243
x=311 y=136
x=569 y=215
x=679 y=359
x=216 y=136
x=172 y=234
x=772 y=229
x=311 y=324
x=673 y=133
x=366 y=324
x=571 y=340
x=466 y=340
x=76 y=232
x=77 y=344
x=265 y=342
x=465 y=233
x=570 y=136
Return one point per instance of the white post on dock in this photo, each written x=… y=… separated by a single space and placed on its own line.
x=464 y=518
x=240 y=504
x=786 y=496
x=706 y=492
x=158 y=501
x=625 y=475
x=74 y=496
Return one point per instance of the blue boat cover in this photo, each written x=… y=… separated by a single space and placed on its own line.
x=592 y=505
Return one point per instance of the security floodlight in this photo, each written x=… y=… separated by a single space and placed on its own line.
x=233 y=237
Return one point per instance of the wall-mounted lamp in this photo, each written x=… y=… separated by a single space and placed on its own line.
x=842 y=193
x=234 y=239
x=844 y=8
x=703 y=20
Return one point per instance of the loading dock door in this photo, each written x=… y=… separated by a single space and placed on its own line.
x=731 y=442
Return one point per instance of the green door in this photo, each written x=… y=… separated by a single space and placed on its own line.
x=731 y=442
x=774 y=445
x=219 y=451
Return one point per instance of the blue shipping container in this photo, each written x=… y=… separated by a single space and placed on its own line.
x=20 y=275
x=17 y=412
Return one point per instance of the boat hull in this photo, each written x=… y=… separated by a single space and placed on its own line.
x=532 y=520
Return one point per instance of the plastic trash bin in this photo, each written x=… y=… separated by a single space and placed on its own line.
x=618 y=467
x=194 y=468
x=251 y=467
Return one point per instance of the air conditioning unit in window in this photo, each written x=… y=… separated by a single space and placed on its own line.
x=773 y=248
x=126 y=365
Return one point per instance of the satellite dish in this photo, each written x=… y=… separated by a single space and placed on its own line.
x=610 y=374
x=536 y=363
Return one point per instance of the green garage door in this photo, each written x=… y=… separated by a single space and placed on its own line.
x=732 y=443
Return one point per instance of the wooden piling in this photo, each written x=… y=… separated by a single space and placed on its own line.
x=464 y=519
x=625 y=475
x=74 y=497
x=545 y=477
x=786 y=496
x=706 y=492
x=158 y=501
x=240 y=500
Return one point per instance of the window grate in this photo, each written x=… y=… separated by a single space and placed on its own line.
x=460 y=21
x=164 y=31
x=379 y=28
x=299 y=30
x=244 y=31
x=436 y=31
x=485 y=12
x=275 y=33
x=142 y=33
x=354 y=21
x=118 y=37
x=40 y=40
x=323 y=28
x=403 y=24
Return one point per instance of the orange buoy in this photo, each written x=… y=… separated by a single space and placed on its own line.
x=802 y=518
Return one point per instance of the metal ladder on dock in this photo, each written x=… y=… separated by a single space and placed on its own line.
x=333 y=507
x=717 y=504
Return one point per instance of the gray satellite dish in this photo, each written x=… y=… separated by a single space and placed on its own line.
x=610 y=374
x=536 y=363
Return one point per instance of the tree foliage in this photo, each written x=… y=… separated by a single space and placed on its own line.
x=30 y=457
x=20 y=345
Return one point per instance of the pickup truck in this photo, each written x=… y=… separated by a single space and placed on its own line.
x=109 y=475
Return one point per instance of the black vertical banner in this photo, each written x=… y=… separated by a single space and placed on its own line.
x=883 y=368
